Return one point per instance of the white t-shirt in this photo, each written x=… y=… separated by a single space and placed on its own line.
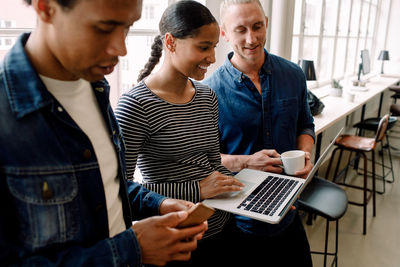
x=78 y=99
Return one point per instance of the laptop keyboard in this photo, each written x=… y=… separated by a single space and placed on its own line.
x=268 y=196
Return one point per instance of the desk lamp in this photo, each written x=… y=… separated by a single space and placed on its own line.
x=308 y=68
x=383 y=55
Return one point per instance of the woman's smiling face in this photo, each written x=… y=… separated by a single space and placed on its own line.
x=193 y=55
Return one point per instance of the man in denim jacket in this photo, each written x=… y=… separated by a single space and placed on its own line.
x=64 y=197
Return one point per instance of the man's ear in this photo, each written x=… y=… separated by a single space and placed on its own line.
x=170 y=42
x=266 y=22
x=44 y=9
x=223 y=34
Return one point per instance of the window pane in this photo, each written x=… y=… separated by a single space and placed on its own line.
x=151 y=14
x=369 y=44
x=16 y=15
x=364 y=19
x=295 y=50
x=372 y=16
x=362 y=43
x=325 y=71
x=330 y=17
x=310 y=48
x=355 y=18
x=313 y=17
x=351 y=56
x=381 y=31
x=340 y=57
x=344 y=18
x=297 y=17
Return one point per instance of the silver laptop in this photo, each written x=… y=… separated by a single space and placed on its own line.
x=266 y=196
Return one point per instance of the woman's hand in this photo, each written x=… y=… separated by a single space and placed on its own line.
x=217 y=183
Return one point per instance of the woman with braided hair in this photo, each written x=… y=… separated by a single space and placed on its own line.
x=170 y=123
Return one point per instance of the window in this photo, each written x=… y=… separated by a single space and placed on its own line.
x=332 y=33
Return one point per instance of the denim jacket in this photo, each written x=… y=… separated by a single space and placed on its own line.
x=52 y=201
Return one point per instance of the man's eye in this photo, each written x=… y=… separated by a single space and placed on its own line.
x=104 y=30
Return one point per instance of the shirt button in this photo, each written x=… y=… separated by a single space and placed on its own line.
x=60 y=109
x=87 y=154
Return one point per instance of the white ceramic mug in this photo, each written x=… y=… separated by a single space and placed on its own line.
x=293 y=161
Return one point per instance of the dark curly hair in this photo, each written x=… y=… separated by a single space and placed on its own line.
x=182 y=19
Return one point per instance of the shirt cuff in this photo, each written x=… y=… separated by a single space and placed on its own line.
x=309 y=132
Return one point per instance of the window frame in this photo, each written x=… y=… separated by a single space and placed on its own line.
x=362 y=40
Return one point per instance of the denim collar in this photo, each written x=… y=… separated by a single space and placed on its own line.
x=266 y=67
x=25 y=90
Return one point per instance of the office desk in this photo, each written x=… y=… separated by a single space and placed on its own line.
x=337 y=108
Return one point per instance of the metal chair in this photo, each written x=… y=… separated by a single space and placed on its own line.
x=361 y=145
x=328 y=200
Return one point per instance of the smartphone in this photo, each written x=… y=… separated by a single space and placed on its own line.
x=197 y=214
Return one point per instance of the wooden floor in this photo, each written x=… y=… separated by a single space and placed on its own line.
x=381 y=246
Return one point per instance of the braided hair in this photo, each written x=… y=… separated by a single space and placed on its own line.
x=183 y=20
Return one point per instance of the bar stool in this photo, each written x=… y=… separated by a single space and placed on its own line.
x=361 y=145
x=395 y=109
x=371 y=124
x=396 y=90
x=328 y=200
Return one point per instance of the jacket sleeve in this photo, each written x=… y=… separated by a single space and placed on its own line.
x=306 y=121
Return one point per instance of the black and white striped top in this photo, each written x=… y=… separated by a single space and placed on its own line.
x=174 y=145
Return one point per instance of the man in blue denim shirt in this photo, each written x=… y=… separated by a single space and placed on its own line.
x=64 y=197
x=263 y=111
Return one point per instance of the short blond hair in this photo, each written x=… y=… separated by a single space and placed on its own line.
x=226 y=3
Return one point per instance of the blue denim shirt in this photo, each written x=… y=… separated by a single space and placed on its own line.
x=52 y=201
x=250 y=121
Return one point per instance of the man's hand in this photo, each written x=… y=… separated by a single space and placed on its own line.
x=217 y=183
x=264 y=160
x=307 y=167
x=161 y=242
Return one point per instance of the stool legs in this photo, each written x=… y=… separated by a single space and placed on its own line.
x=364 y=204
x=326 y=253
x=365 y=189
x=390 y=158
x=374 y=184
x=326 y=242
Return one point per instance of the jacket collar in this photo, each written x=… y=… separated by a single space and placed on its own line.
x=25 y=90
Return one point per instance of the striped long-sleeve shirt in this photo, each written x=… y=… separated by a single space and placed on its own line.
x=174 y=145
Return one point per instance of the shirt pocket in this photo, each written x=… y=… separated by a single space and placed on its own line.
x=47 y=207
x=288 y=113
